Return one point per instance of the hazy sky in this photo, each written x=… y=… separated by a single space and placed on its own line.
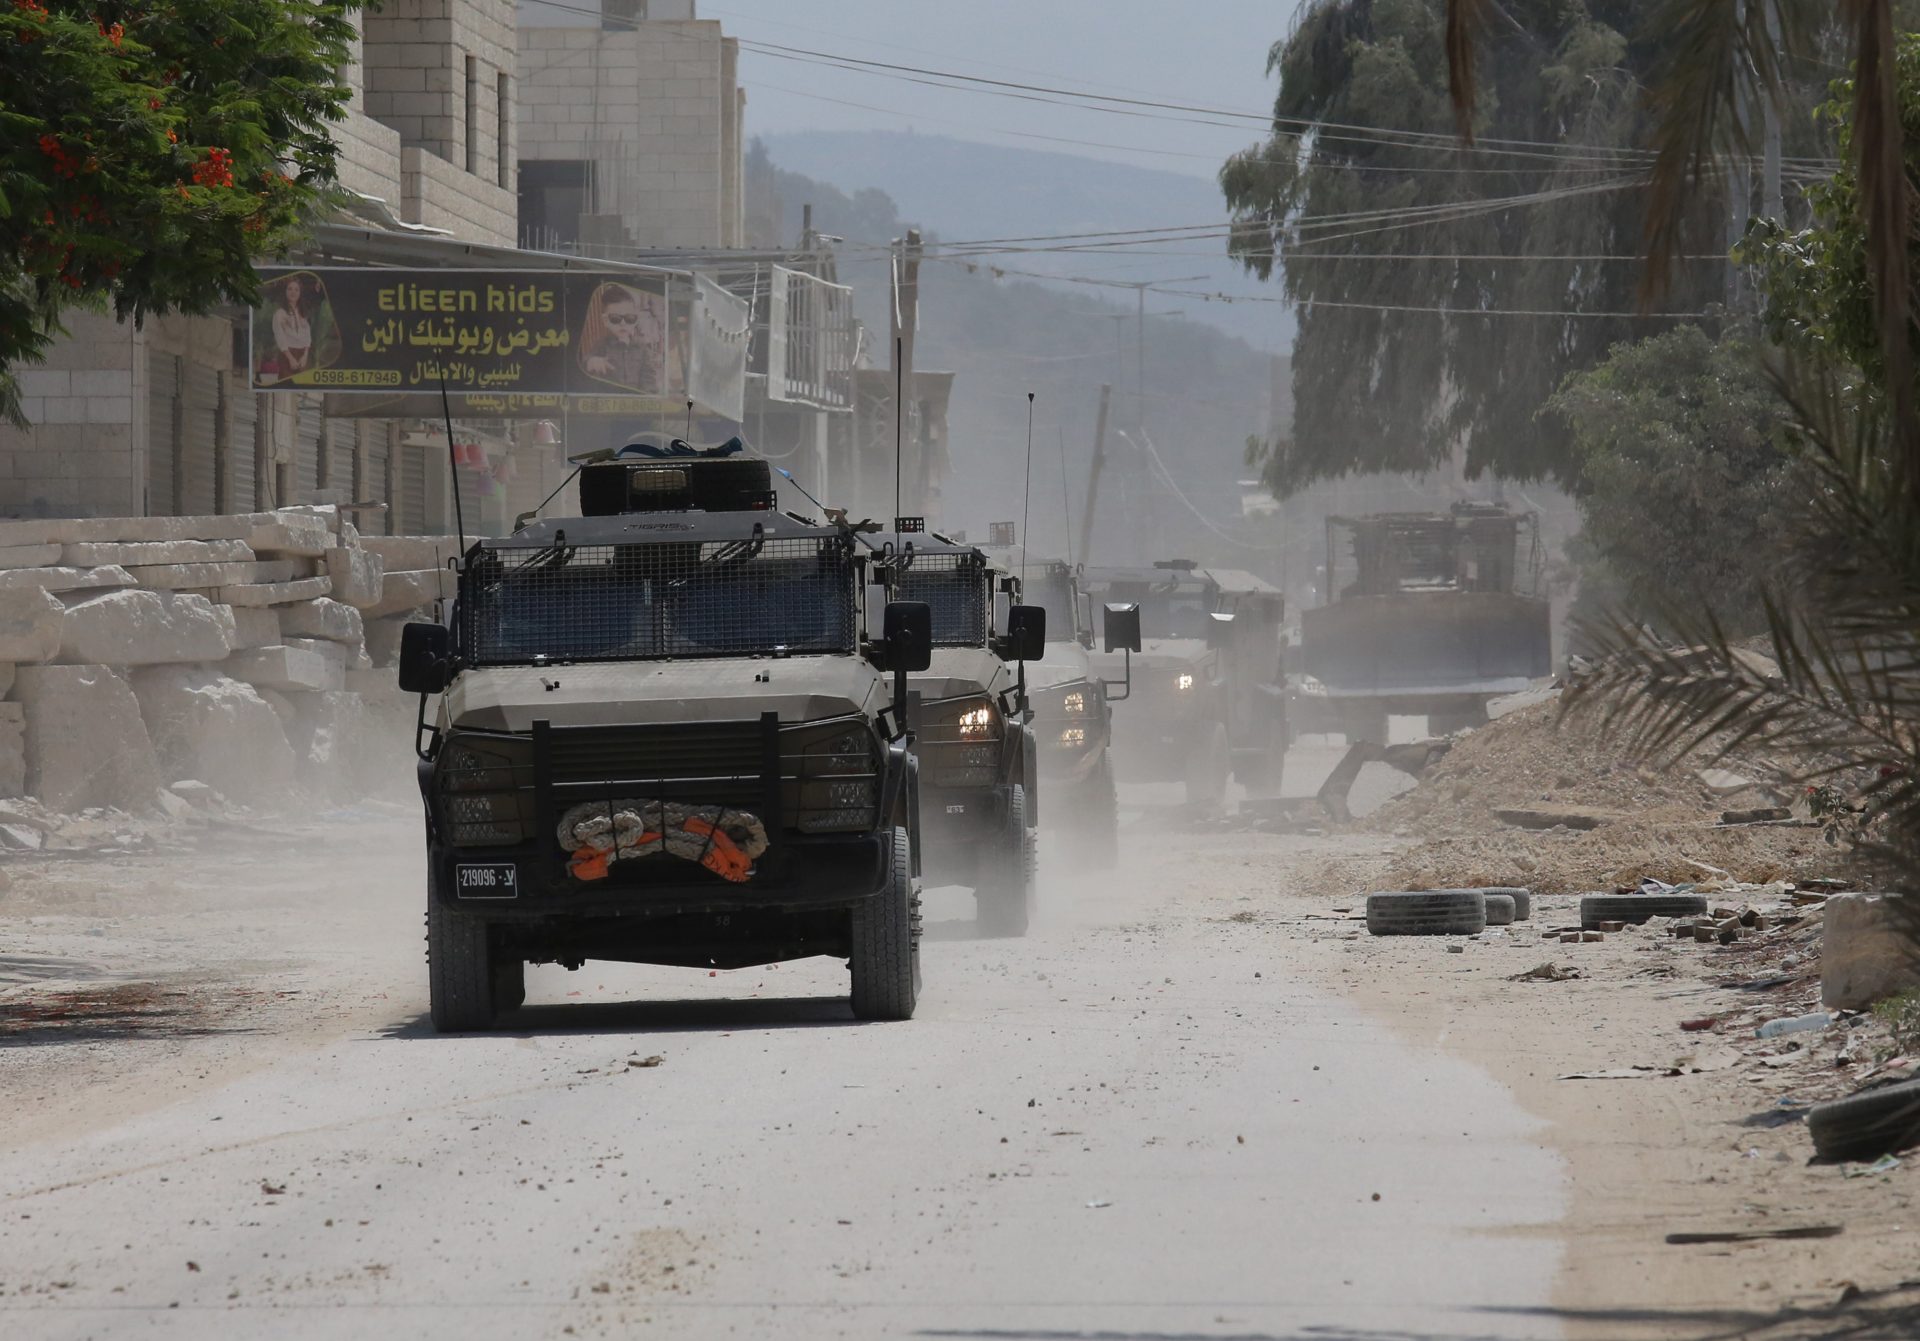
x=1205 y=52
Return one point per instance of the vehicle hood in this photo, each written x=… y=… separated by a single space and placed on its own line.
x=1064 y=664
x=1156 y=654
x=799 y=689
x=961 y=670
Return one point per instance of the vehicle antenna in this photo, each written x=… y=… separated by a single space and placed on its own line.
x=1026 y=503
x=453 y=464
x=689 y=419
x=899 y=419
x=1066 y=499
x=788 y=476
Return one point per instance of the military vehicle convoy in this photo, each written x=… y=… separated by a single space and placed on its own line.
x=1208 y=699
x=972 y=731
x=673 y=730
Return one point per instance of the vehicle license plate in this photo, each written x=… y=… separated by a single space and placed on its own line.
x=500 y=881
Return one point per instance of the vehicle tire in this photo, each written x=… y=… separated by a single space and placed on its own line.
x=1637 y=908
x=886 y=943
x=1868 y=1124
x=1003 y=901
x=1521 y=896
x=1500 y=908
x=1207 y=770
x=1428 y=912
x=459 y=970
x=509 y=984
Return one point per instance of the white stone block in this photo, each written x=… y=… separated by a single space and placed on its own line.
x=146 y=628
x=254 y=626
x=275 y=593
x=284 y=535
x=123 y=530
x=64 y=579
x=338 y=653
x=206 y=576
x=290 y=669
x=212 y=729
x=400 y=592
x=86 y=744
x=1867 y=950
x=322 y=619
x=412 y=553
x=91 y=553
x=31 y=622
x=357 y=575
x=28 y=556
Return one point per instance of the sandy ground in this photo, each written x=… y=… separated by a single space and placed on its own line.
x=1196 y=1103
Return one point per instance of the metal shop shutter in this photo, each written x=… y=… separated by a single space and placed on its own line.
x=379 y=447
x=306 y=454
x=163 y=386
x=200 y=412
x=242 y=449
x=413 y=489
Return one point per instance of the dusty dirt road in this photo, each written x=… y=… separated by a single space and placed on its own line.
x=226 y=1116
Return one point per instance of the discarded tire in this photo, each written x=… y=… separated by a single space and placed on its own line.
x=1867 y=1125
x=1598 y=908
x=1522 y=899
x=1500 y=908
x=1430 y=912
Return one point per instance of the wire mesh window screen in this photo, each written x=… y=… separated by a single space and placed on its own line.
x=659 y=600
x=954 y=587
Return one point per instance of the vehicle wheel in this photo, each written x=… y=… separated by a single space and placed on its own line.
x=1500 y=908
x=1207 y=770
x=1428 y=912
x=1004 y=899
x=1637 y=908
x=509 y=984
x=1522 y=899
x=459 y=971
x=886 y=944
x=1866 y=1125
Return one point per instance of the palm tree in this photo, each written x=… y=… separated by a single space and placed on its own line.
x=1845 y=613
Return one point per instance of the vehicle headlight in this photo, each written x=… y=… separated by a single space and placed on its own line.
x=959 y=743
x=1074 y=736
x=1183 y=681
x=832 y=776
x=1075 y=702
x=975 y=723
x=486 y=789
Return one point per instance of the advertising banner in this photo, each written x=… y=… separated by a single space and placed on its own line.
x=613 y=342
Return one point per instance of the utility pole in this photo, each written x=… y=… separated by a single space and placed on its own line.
x=1140 y=288
x=1093 y=476
x=904 y=321
x=1774 y=203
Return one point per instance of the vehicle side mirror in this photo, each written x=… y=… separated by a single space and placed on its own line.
x=1123 y=627
x=1219 y=629
x=1026 y=638
x=426 y=658
x=908 y=635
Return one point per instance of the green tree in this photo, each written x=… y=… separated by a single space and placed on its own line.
x=150 y=151
x=1545 y=215
x=1683 y=473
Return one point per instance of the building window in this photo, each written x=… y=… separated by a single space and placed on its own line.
x=554 y=193
x=473 y=115
x=503 y=126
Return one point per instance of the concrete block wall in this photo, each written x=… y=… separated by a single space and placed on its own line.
x=87 y=408
x=656 y=110
x=415 y=73
x=440 y=195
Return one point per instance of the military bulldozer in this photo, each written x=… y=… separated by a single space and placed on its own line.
x=1426 y=614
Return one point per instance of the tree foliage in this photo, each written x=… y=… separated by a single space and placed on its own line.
x=1561 y=89
x=1684 y=474
x=150 y=149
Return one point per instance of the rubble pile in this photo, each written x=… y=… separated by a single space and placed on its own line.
x=1557 y=804
x=246 y=655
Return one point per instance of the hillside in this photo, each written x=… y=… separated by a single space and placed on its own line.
x=936 y=180
x=1206 y=390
